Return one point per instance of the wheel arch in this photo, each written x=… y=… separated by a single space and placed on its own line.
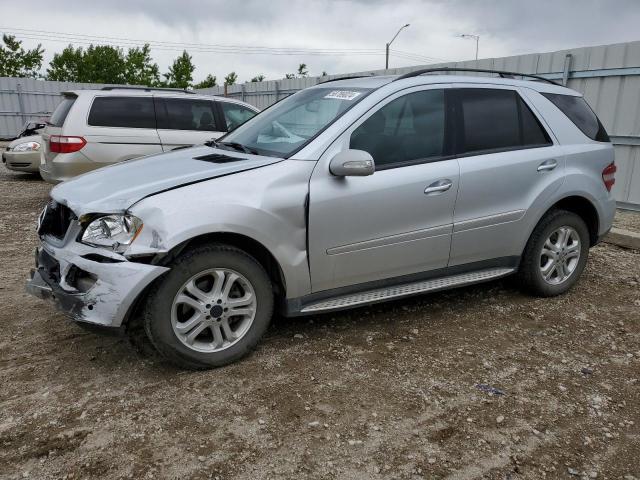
x=584 y=208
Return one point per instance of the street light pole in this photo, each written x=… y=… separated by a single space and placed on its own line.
x=475 y=37
x=386 y=63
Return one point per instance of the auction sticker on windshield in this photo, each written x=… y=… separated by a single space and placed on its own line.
x=342 y=95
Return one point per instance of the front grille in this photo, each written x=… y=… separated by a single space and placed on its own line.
x=56 y=220
x=19 y=164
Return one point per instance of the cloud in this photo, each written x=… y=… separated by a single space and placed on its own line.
x=506 y=27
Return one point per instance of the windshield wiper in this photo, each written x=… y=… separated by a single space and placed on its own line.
x=240 y=147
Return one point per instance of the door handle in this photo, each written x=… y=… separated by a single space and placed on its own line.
x=547 y=165
x=438 y=187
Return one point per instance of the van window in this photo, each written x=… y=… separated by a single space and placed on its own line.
x=61 y=111
x=187 y=114
x=496 y=119
x=129 y=112
x=406 y=130
x=235 y=114
x=579 y=112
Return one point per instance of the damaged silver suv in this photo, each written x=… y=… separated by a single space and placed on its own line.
x=347 y=193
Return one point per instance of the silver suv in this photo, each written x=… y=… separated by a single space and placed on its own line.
x=93 y=128
x=347 y=193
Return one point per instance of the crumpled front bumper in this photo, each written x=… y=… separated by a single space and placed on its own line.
x=89 y=287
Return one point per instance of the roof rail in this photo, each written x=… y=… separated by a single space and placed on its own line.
x=351 y=77
x=501 y=73
x=148 y=89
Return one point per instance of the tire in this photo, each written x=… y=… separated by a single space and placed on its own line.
x=182 y=298
x=534 y=262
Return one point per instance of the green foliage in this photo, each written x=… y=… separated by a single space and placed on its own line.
x=140 y=69
x=289 y=76
x=324 y=73
x=302 y=70
x=210 y=81
x=180 y=74
x=231 y=79
x=15 y=61
x=96 y=64
x=258 y=78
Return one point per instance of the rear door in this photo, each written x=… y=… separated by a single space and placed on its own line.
x=119 y=128
x=508 y=161
x=184 y=121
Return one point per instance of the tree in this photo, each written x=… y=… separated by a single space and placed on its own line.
x=210 y=81
x=258 y=78
x=180 y=74
x=15 y=61
x=231 y=79
x=98 y=64
x=302 y=70
x=139 y=69
x=66 y=66
x=324 y=74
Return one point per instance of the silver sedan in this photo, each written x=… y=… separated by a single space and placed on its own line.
x=23 y=154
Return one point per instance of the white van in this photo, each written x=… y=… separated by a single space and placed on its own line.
x=93 y=128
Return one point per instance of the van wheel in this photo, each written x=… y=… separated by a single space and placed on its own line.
x=555 y=255
x=211 y=308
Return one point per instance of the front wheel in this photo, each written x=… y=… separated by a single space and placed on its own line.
x=556 y=254
x=211 y=309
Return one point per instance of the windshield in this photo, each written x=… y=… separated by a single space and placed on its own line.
x=290 y=124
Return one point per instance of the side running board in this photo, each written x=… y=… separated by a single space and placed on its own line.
x=388 y=293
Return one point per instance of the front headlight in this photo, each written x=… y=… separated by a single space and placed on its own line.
x=27 y=147
x=115 y=232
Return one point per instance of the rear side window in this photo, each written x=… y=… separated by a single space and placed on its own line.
x=130 y=112
x=61 y=111
x=235 y=114
x=579 y=112
x=185 y=114
x=497 y=120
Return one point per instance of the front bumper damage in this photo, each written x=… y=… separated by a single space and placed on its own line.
x=88 y=286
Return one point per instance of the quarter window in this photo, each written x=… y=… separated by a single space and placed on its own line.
x=235 y=114
x=406 y=130
x=185 y=114
x=495 y=119
x=131 y=112
x=579 y=112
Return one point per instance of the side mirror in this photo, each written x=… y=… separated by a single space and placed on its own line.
x=352 y=163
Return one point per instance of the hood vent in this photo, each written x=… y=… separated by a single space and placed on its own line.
x=218 y=158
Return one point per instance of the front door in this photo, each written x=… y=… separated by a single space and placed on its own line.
x=399 y=220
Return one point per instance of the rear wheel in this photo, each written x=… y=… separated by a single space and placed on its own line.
x=211 y=309
x=556 y=254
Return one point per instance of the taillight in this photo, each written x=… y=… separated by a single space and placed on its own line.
x=609 y=176
x=64 y=144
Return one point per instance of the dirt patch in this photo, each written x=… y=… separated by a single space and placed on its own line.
x=382 y=392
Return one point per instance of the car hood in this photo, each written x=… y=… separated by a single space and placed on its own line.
x=116 y=187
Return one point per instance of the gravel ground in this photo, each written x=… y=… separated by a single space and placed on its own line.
x=627 y=220
x=382 y=392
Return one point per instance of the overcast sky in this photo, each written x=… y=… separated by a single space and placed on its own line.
x=506 y=27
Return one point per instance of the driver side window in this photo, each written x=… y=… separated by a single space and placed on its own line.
x=407 y=130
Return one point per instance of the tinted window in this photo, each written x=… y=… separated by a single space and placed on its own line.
x=408 y=129
x=579 y=112
x=186 y=114
x=131 y=112
x=490 y=119
x=533 y=133
x=497 y=120
x=235 y=115
x=61 y=112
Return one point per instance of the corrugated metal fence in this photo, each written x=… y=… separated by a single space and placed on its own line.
x=608 y=76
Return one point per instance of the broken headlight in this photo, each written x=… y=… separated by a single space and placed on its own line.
x=115 y=232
